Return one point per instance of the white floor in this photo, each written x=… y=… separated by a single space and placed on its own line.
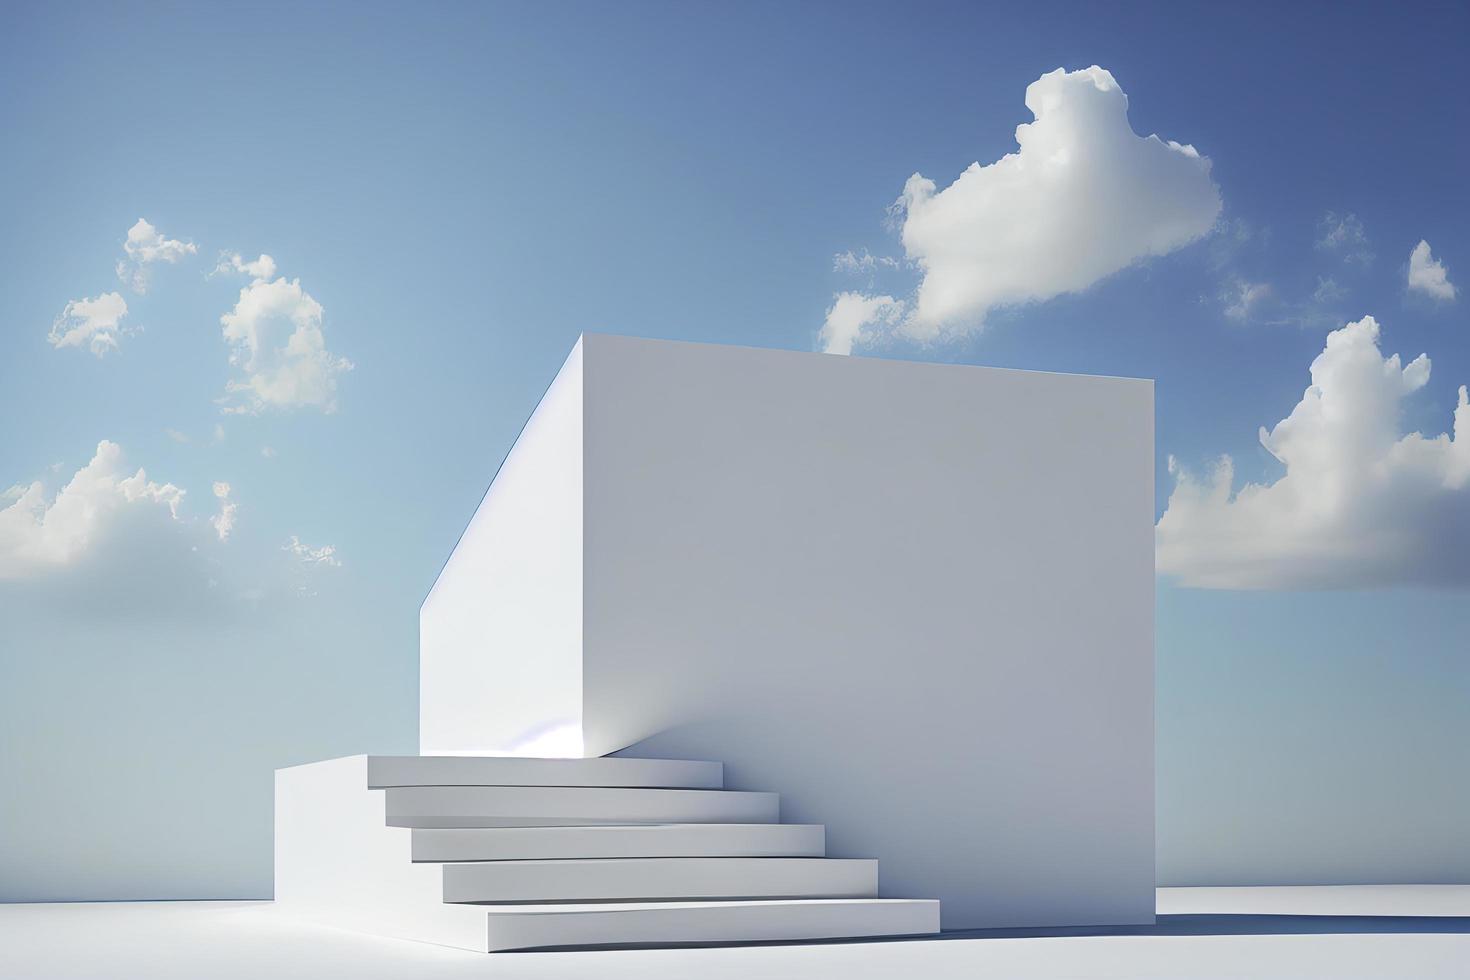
x=1390 y=932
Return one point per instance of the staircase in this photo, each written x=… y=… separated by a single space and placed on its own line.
x=491 y=853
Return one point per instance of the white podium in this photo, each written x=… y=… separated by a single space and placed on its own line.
x=917 y=599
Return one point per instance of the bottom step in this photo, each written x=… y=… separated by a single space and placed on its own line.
x=675 y=923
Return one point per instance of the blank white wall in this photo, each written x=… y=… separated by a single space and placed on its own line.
x=915 y=599
x=500 y=634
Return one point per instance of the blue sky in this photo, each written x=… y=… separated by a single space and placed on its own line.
x=463 y=189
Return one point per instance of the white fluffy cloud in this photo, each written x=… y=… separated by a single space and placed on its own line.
x=93 y=323
x=261 y=268
x=277 y=342
x=851 y=314
x=144 y=246
x=112 y=543
x=1427 y=275
x=1360 y=504
x=224 y=521
x=37 y=534
x=1083 y=198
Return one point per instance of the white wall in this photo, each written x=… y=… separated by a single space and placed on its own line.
x=500 y=634
x=915 y=599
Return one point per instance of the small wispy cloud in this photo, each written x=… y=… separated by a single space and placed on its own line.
x=1328 y=291
x=324 y=556
x=1244 y=300
x=1343 y=234
x=862 y=263
x=224 y=521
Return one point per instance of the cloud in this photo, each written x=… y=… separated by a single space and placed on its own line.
x=1083 y=198
x=97 y=323
x=144 y=246
x=1261 y=303
x=1427 y=274
x=1360 y=504
x=37 y=535
x=114 y=544
x=277 y=342
x=306 y=561
x=1243 y=300
x=325 y=556
x=864 y=263
x=223 y=522
x=1344 y=235
x=231 y=262
x=1328 y=291
x=851 y=314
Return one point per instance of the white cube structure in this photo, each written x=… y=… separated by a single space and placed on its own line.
x=916 y=598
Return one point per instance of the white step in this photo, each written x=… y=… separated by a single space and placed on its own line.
x=452 y=770
x=631 y=840
x=674 y=923
x=549 y=806
x=639 y=879
x=338 y=863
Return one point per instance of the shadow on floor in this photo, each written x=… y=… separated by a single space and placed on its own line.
x=1242 y=925
x=1167 y=925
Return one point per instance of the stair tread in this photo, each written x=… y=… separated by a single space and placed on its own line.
x=573 y=908
x=456 y=770
x=492 y=867
x=625 y=840
x=533 y=926
x=504 y=867
x=540 y=806
x=633 y=879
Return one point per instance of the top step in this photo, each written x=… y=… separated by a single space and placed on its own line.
x=386 y=771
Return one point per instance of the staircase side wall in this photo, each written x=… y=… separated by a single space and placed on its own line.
x=338 y=863
x=500 y=634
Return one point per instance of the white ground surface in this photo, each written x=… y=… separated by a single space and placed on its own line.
x=1398 y=932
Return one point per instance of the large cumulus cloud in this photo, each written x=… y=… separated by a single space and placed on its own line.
x=1082 y=198
x=1361 y=504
